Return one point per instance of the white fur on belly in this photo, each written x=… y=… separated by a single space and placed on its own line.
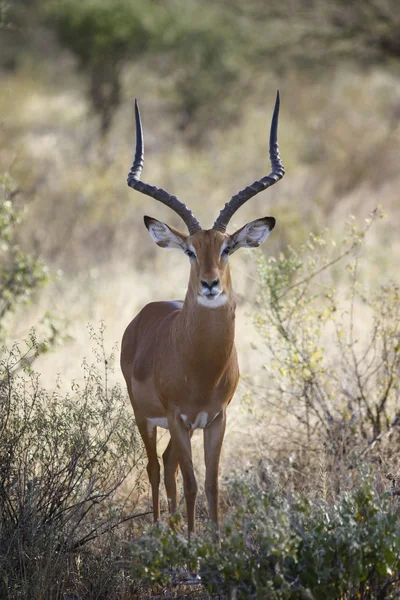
x=200 y=421
x=157 y=422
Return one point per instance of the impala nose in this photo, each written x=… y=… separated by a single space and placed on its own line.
x=210 y=285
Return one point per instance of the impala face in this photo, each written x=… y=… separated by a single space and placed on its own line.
x=208 y=251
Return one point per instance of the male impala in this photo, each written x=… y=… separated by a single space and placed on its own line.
x=179 y=358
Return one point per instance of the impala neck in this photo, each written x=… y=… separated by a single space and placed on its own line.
x=209 y=331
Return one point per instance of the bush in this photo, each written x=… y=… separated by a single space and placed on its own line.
x=286 y=547
x=334 y=373
x=21 y=274
x=63 y=460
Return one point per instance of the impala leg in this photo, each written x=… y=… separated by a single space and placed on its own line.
x=171 y=463
x=213 y=438
x=180 y=437
x=149 y=437
x=170 y=459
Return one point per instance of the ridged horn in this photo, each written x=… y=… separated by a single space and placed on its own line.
x=159 y=194
x=260 y=185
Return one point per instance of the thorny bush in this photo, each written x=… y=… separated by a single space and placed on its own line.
x=63 y=459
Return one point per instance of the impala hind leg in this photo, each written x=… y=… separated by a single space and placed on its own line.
x=170 y=460
x=171 y=463
x=180 y=437
x=149 y=437
x=213 y=438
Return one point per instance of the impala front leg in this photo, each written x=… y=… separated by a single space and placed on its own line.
x=149 y=437
x=180 y=436
x=213 y=438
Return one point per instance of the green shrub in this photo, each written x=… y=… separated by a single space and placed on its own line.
x=282 y=547
x=21 y=273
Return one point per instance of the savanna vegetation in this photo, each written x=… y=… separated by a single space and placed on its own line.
x=310 y=467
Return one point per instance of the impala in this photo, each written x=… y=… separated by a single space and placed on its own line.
x=178 y=357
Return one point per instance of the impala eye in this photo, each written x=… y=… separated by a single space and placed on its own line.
x=226 y=251
x=190 y=254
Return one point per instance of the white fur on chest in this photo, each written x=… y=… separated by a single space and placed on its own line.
x=201 y=421
x=216 y=302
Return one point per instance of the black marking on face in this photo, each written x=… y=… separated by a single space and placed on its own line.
x=190 y=254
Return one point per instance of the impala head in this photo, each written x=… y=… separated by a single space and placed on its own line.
x=209 y=250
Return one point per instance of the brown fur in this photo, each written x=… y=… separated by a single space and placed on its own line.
x=181 y=359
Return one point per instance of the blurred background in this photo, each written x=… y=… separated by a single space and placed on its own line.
x=206 y=76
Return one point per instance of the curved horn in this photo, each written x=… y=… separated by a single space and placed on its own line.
x=150 y=190
x=276 y=174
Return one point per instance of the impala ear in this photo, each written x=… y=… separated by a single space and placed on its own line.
x=252 y=234
x=165 y=236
